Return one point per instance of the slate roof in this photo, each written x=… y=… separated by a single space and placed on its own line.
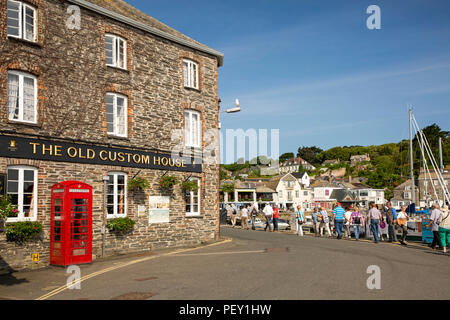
x=128 y=11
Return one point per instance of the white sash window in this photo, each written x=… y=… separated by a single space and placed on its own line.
x=117 y=195
x=21 y=188
x=193 y=200
x=21 y=21
x=190 y=70
x=116 y=51
x=116 y=114
x=192 y=128
x=21 y=97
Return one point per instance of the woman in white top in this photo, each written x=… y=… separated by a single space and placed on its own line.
x=402 y=222
x=244 y=217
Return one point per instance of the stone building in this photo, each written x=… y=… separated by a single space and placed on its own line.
x=93 y=91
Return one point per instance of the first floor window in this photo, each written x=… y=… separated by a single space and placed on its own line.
x=190 y=69
x=116 y=114
x=192 y=128
x=21 y=97
x=193 y=200
x=21 y=21
x=117 y=195
x=116 y=51
x=22 y=190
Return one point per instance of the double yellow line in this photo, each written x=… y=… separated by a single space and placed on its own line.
x=122 y=265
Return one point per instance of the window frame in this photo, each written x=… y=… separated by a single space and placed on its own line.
x=191 y=199
x=115 y=174
x=20 y=193
x=22 y=23
x=115 y=118
x=191 y=127
x=115 y=50
x=21 y=76
x=191 y=81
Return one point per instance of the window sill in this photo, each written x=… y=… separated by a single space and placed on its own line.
x=190 y=215
x=112 y=136
x=14 y=220
x=117 y=68
x=21 y=40
x=192 y=89
x=24 y=123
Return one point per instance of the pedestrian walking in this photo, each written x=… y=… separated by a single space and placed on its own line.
x=268 y=213
x=348 y=215
x=435 y=221
x=325 y=222
x=339 y=220
x=275 y=218
x=233 y=215
x=444 y=228
x=357 y=221
x=374 y=217
x=315 y=220
x=391 y=220
x=254 y=214
x=244 y=217
x=300 y=220
x=402 y=223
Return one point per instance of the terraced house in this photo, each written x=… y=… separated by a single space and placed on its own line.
x=93 y=96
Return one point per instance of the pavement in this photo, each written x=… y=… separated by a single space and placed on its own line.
x=249 y=265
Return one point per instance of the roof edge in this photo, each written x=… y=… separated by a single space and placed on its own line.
x=116 y=16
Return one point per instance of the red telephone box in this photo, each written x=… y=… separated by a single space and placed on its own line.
x=71 y=224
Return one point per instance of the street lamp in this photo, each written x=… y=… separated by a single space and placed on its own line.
x=232 y=110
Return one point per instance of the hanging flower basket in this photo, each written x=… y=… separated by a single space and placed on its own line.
x=167 y=182
x=189 y=185
x=138 y=184
x=121 y=226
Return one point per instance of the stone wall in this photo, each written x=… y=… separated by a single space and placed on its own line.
x=73 y=80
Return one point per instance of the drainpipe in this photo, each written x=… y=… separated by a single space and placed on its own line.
x=105 y=212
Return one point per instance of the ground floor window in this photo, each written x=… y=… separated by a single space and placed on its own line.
x=193 y=200
x=22 y=190
x=117 y=195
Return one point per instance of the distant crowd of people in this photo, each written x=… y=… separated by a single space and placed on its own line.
x=346 y=219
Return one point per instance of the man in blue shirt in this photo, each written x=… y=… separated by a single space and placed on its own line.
x=391 y=217
x=339 y=219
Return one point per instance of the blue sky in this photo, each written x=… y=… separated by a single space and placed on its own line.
x=312 y=68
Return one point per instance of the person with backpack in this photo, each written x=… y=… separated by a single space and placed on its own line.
x=357 y=221
x=300 y=219
x=254 y=214
x=391 y=219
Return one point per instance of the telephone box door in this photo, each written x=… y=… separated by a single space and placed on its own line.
x=71 y=224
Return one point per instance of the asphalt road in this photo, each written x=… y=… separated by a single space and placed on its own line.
x=255 y=265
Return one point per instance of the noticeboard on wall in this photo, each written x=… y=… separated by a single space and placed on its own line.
x=159 y=210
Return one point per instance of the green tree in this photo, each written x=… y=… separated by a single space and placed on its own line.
x=286 y=156
x=309 y=154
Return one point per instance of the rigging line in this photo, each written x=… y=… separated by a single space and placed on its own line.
x=435 y=166
x=437 y=173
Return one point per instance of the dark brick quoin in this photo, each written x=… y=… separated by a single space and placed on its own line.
x=73 y=80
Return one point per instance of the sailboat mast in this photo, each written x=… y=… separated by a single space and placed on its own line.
x=413 y=191
x=440 y=155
